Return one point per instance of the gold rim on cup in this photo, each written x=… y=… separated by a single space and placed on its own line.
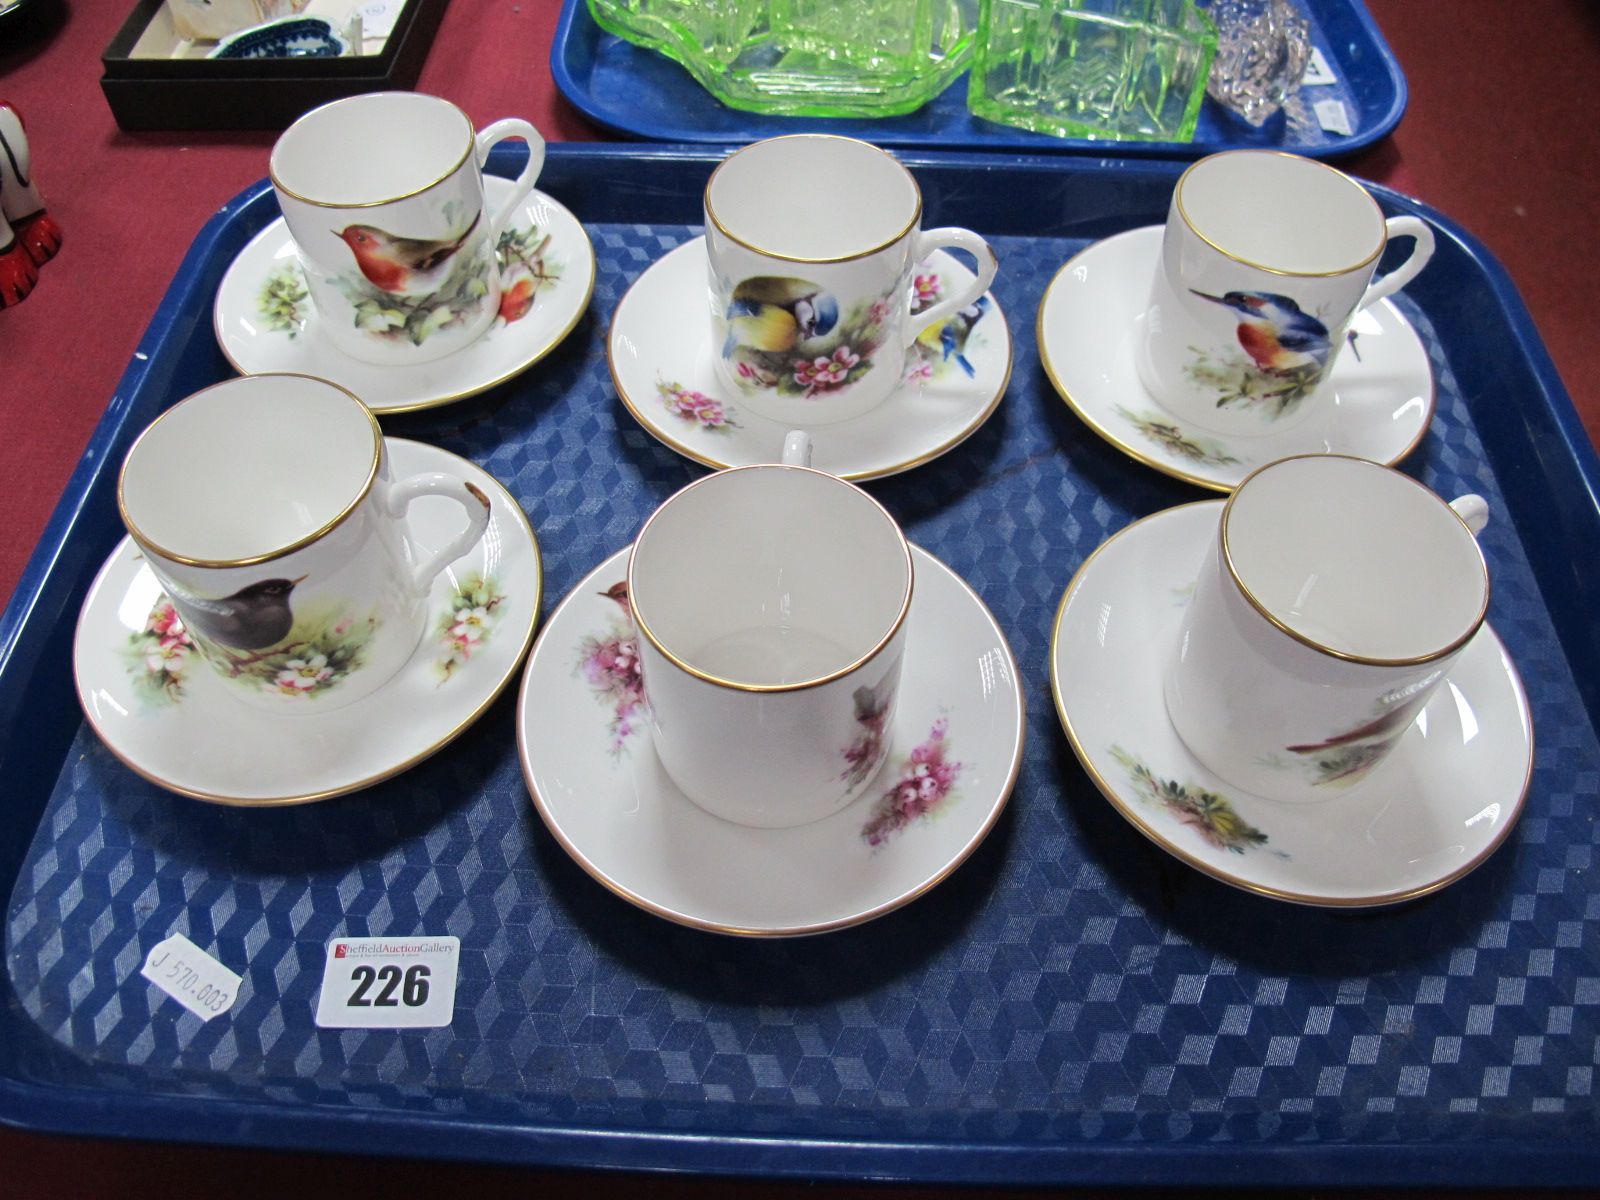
x=768 y=688
x=268 y=555
x=1311 y=642
x=916 y=192
x=466 y=153
x=1383 y=231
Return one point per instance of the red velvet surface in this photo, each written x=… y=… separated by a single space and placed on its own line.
x=1499 y=135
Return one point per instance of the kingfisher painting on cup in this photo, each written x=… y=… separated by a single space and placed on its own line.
x=1286 y=352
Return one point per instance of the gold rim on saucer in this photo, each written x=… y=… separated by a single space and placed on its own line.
x=504 y=503
x=1130 y=811
x=479 y=387
x=662 y=434
x=580 y=591
x=1110 y=434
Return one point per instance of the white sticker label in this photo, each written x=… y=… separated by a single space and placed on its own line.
x=378 y=17
x=1318 y=72
x=389 y=983
x=1333 y=118
x=191 y=977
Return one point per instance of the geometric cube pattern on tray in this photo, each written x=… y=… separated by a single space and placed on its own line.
x=1070 y=981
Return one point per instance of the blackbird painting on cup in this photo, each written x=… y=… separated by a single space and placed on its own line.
x=253 y=618
x=401 y=264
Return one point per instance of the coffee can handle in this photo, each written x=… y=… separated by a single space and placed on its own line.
x=1473 y=510
x=436 y=483
x=1422 y=234
x=930 y=240
x=796 y=448
x=512 y=127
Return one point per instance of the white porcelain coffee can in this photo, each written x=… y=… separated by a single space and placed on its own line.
x=267 y=509
x=383 y=196
x=1331 y=604
x=771 y=604
x=1265 y=259
x=813 y=240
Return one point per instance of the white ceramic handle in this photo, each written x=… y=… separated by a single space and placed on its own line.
x=930 y=240
x=797 y=448
x=1473 y=509
x=436 y=483
x=512 y=127
x=1418 y=230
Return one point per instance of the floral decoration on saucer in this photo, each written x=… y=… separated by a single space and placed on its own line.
x=165 y=712
x=952 y=759
x=1378 y=404
x=265 y=320
x=662 y=363
x=1435 y=809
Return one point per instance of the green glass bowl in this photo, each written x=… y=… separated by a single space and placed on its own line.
x=1114 y=70
x=818 y=58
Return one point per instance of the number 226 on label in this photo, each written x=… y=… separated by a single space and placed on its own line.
x=389 y=983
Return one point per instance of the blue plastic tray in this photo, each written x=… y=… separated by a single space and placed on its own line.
x=1071 y=1006
x=640 y=92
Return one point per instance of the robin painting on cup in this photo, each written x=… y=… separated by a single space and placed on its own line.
x=400 y=264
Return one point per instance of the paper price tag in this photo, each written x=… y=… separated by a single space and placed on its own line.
x=1333 y=118
x=1318 y=72
x=191 y=977
x=378 y=17
x=389 y=983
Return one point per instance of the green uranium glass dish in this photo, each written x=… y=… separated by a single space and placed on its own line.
x=818 y=58
x=1117 y=70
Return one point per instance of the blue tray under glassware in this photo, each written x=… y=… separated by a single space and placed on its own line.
x=645 y=94
x=1071 y=1006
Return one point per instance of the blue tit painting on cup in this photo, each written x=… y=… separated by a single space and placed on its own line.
x=813 y=243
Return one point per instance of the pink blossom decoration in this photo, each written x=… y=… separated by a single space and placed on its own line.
x=167 y=624
x=301 y=675
x=467 y=622
x=823 y=374
x=926 y=780
x=694 y=406
x=167 y=657
x=610 y=665
x=924 y=291
x=159 y=653
x=470 y=628
x=172 y=640
x=754 y=374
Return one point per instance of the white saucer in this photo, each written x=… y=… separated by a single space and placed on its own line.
x=1437 y=808
x=1382 y=385
x=164 y=713
x=596 y=781
x=264 y=321
x=660 y=347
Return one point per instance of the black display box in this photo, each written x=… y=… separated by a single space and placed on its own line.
x=199 y=93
